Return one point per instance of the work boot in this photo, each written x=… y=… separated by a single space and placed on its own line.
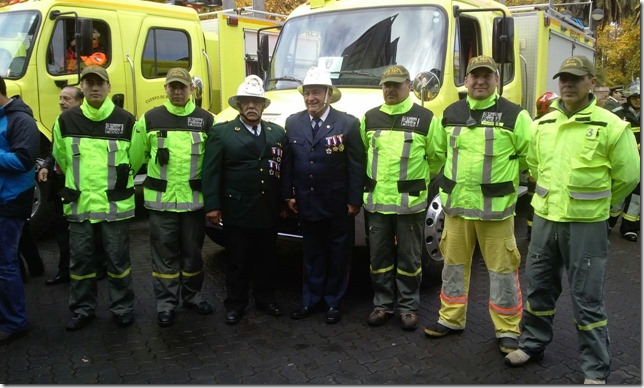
x=508 y=345
x=378 y=317
x=437 y=330
x=630 y=236
x=594 y=381
x=408 y=321
x=520 y=358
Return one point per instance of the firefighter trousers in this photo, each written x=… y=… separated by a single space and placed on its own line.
x=176 y=241
x=84 y=263
x=582 y=249
x=502 y=259
x=395 y=243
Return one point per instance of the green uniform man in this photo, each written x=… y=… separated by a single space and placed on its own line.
x=98 y=151
x=174 y=138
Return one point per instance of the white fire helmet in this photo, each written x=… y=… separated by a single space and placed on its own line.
x=315 y=76
x=253 y=86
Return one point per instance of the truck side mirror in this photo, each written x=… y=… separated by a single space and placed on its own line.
x=118 y=100
x=84 y=29
x=262 y=53
x=503 y=40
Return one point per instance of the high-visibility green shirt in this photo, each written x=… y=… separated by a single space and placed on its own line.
x=99 y=153
x=584 y=163
x=180 y=134
x=485 y=143
x=399 y=150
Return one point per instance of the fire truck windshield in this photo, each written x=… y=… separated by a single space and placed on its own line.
x=17 y=30
x=355 y=46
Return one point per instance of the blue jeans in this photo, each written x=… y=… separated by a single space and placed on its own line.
x=13 y=314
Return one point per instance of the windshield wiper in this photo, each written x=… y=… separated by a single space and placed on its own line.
x=292 y=79
x=357 y=72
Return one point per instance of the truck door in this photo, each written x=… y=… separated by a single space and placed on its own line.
x=57 y=62
x=560 y=48
x=161 y=45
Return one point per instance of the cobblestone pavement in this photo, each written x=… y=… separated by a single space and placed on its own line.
x=264 y=349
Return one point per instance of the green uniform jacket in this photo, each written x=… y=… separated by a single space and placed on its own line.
x=584 y=164
x=399 y=150
x=483 y=157
x=99 y=153
x=239 y=179
x=174 y=140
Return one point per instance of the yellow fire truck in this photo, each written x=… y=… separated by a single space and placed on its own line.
x=40 y=41
x=355 y=40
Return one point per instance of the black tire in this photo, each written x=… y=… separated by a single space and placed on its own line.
x=42 y=210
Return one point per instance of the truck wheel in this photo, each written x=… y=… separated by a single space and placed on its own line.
x=434 y=223
x=41 y=210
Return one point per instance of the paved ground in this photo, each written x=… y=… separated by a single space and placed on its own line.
x=264 y=349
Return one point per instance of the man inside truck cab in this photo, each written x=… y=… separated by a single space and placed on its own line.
x=97 y=58
x=97 y=150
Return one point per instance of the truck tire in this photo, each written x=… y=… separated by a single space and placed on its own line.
x=432 y=258
x=41 y=210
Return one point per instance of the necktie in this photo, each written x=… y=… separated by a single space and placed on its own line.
x=316 y=125
x=255 y=131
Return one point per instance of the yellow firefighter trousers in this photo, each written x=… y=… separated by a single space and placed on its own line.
x=502 y=259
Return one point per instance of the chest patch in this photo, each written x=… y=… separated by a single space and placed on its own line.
x=113 y=129
x=411 y=122
x=195 y=122
x=491 y=118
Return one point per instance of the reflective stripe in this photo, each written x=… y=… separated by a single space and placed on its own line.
x=453 y=299
x=540 y=190
x=455 y=134
x=488 y=158
x=82 y=277
x=75 y=170
x=593 y=325
x=396 y=208
x=382 y=270
x=411 y=274
x=100 y=216
x=119 y=276
x=481 y=214
x=173 y=206
x=194 y=163
x=506 y=310
x=408 y=138
x=596 y=195
x=190 y=274
x=113 y=147
x=165 y=276
x=163 y=170
x=539 y=313
x=374 y=168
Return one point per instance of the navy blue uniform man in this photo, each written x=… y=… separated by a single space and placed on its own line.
x=322 y=181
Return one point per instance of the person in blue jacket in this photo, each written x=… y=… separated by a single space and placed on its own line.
x=19 y=145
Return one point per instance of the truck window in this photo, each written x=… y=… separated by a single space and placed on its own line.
x=467 y=45
x=61 y=53
x=17 y=31
x=356 y=54
x=165 y=49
